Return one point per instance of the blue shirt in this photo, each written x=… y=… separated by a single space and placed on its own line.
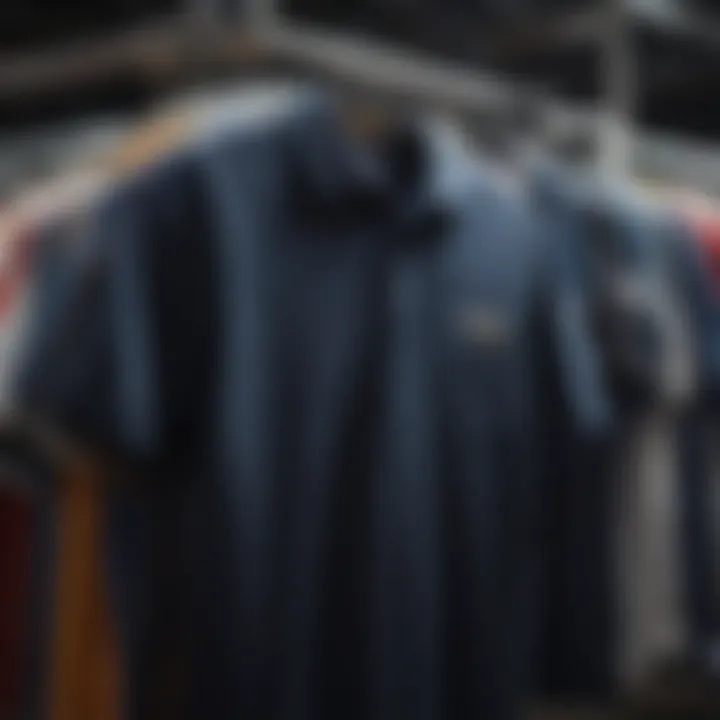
x=332 y=364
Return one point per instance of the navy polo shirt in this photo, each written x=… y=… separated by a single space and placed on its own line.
x=577 y=649
x=330 y=364
x=697 y=447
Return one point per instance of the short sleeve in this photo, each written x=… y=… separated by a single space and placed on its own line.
x=700 y=295
x=575 y=635
x=71 y=373
x=565 y=324
x=112 y=355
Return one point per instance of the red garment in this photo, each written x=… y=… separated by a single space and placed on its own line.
x=17 y=522
x=707 y=234
x=13 y=272
x=16 y=529
x=702 y=213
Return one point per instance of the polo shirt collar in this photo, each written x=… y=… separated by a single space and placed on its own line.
x=336 y=170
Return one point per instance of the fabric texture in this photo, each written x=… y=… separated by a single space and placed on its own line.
x=578 y=644
x=328 y=359
x=700 y=546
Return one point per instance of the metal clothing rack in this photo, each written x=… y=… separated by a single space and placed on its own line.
x=199 y=42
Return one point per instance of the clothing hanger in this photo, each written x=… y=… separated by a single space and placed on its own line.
x=389 y=132
x=156 y=136
x=511 y=138
x=366 y=120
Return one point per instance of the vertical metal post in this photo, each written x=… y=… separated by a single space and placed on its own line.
x=260 y=14
x=619 y=80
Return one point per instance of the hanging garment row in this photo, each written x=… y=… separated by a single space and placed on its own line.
x=386 y=423
x=63 y=657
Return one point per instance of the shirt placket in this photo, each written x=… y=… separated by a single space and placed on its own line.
x=404 y=599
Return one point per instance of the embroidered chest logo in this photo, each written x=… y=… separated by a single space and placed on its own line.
x=484 y=326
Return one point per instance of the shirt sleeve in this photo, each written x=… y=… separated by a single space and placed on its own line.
x=703 y=303
x=106 y=357
x=575 y=462
x=574 y=357
x=64 y=377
